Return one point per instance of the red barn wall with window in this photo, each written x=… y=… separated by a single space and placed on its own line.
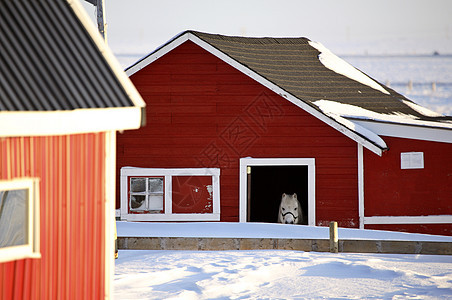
x=202 y=112
x=392 y=191
x=71 y=169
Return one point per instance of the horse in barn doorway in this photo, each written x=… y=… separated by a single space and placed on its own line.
x=290 y=211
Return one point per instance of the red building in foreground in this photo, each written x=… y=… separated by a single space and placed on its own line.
x=266 y=116
x=62 y=100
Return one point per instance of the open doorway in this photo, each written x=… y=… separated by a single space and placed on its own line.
x=263 y=181
x=266 y=185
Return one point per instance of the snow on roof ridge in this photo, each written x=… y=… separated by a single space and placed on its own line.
x=340 y=66
x=351 y=111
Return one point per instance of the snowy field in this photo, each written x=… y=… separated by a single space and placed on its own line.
x=276 y=274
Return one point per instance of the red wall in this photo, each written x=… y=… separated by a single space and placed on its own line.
x=391 y=191
x=71 y=169
x=202 y=112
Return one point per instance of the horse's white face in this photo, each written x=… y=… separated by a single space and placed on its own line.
x=289 y=209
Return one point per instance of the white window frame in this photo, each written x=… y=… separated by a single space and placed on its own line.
x=251 y=162
x=411 y=160
x=167 y=214
x=147 y=194
x=31 y=249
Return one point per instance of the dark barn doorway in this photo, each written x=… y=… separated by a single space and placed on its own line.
x=266 y=184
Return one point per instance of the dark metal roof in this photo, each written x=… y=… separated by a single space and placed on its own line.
x=49 y=61
x=294 y=65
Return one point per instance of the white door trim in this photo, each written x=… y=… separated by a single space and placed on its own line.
x=247 y=162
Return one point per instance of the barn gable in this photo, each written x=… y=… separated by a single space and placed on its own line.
x=310 y=76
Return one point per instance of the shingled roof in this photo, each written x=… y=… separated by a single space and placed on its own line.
x=306 y=72
x=52 y=61
x=294 y=64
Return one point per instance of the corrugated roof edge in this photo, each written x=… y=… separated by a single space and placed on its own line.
x=39 y=123
x=108 y=54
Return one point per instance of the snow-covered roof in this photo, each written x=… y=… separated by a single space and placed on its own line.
x=312 y=77
x=348 y=111
x=340 y=66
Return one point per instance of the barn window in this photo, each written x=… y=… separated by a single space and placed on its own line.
x=19 y=219
x=149 y=194
x=146 y=194
x=412 y=160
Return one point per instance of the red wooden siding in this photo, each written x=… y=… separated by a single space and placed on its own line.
x=191 y=194
x=391 y=191
x=72 y=195
x=202 y=112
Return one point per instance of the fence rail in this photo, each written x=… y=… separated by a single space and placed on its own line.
x=410 y=85
x=318 y=245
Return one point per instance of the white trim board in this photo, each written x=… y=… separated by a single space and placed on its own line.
x=247 y=162
x=156 y=55
x=110 y=203
x=441 y=219
x=407 y=131
x=169 y=171
x=361 y=186
x=40 y=123
x=245 y=70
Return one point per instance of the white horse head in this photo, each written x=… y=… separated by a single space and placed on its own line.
x=290 y=210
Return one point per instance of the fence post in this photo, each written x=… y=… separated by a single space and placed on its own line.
x=333 y=238
x=410 y=85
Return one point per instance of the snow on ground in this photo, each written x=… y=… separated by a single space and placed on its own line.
x=276 y=274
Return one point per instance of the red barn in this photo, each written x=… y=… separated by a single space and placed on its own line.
x=257 y=117
x=62 y=99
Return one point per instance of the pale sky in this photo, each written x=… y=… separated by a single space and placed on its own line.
x=344 y=26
